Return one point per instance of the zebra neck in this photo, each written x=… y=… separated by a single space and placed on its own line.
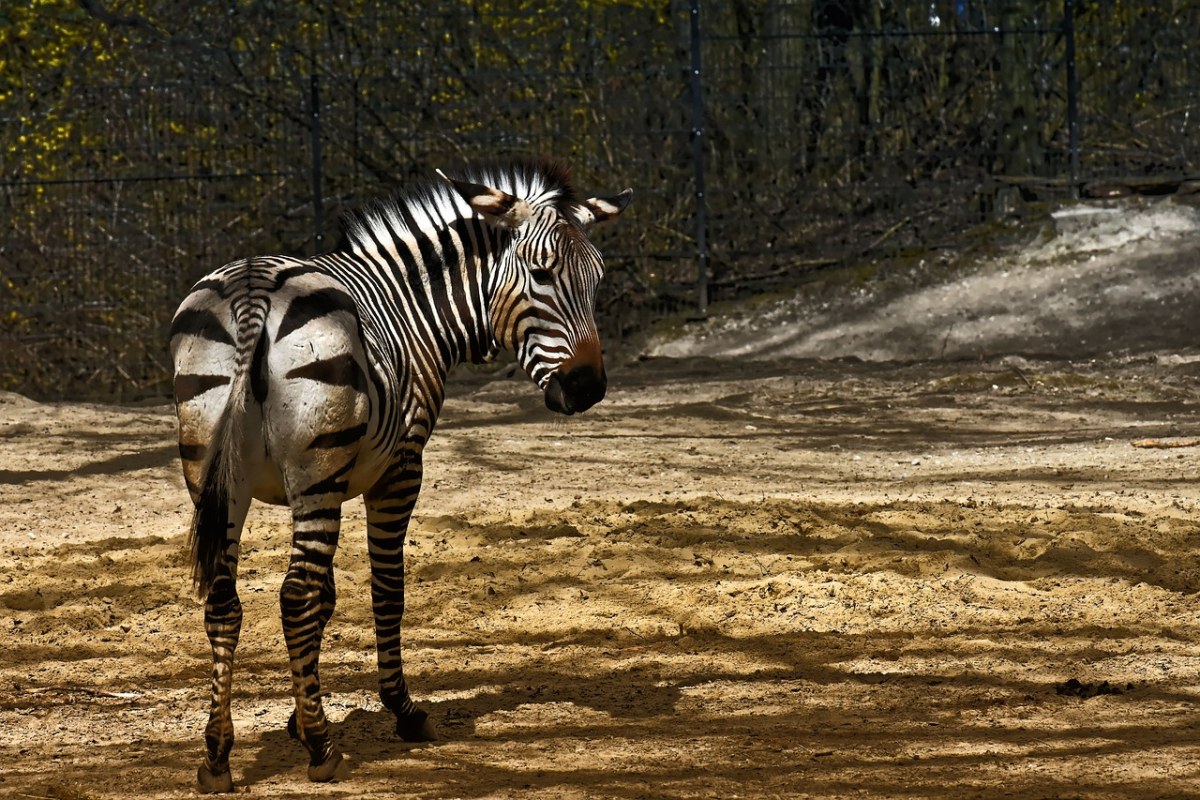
x=442 y=282
x=459 y=288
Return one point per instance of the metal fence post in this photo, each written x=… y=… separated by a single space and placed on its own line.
x=1072 y=95
x=698 y=159
x=315 y=132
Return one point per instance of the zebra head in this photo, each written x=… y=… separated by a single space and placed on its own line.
x=543 y=295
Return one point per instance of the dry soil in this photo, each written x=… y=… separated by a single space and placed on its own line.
x=785 y=579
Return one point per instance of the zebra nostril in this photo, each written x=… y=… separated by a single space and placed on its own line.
x=584 y=386
x=555 y=396
x=576 y=390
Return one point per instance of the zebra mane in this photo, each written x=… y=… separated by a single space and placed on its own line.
x=432 y=202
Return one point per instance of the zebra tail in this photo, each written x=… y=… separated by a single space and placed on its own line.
x=208 y=537
x=223 y=481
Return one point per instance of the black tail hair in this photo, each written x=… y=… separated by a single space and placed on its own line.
x=210 y=525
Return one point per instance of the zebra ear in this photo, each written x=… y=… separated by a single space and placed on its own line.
x=495 y=206
x=600 y=209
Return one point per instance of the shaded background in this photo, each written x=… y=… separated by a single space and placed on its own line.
x=143 y=144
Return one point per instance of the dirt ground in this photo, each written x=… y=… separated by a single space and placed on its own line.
x=786 y=579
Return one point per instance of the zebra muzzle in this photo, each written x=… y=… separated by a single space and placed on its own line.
x=577 y=390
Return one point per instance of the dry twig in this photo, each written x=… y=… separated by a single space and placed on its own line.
x=1165 y=442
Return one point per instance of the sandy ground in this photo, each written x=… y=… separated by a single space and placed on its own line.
x=1084 y=281
x=786 y=579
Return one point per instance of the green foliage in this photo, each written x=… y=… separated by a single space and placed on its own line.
x=37 y=42
x=142 y=144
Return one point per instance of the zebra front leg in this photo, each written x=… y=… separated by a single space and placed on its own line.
x=304 y=611
x=388 y=511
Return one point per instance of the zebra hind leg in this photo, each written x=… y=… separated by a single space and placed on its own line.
x=328 y=601
x=223 y=624
x=305 y=605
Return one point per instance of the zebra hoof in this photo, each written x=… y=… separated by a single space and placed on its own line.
x=416 y=727
x=335 y=768
x=211 y=783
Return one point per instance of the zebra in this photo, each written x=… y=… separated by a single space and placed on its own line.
x=307 y=382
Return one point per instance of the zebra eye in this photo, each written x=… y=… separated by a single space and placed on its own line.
x=542 y=276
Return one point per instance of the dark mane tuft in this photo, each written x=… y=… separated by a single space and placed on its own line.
x=554 y=174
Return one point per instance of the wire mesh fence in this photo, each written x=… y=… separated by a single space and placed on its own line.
x=764 y=139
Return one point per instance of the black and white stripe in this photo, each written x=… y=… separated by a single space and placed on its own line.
x=307 y=382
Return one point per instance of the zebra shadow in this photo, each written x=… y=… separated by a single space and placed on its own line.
x=276 y=754
x=369 y=736
x=365 y=736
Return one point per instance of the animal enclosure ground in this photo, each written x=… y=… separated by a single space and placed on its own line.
x=792 y=579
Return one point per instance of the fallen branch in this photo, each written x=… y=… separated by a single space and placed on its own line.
x=1013 y=367
x=889 y=233
x=1165 y=442
x=83 y=690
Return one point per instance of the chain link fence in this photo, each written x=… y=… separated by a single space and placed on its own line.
x=764 y=140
